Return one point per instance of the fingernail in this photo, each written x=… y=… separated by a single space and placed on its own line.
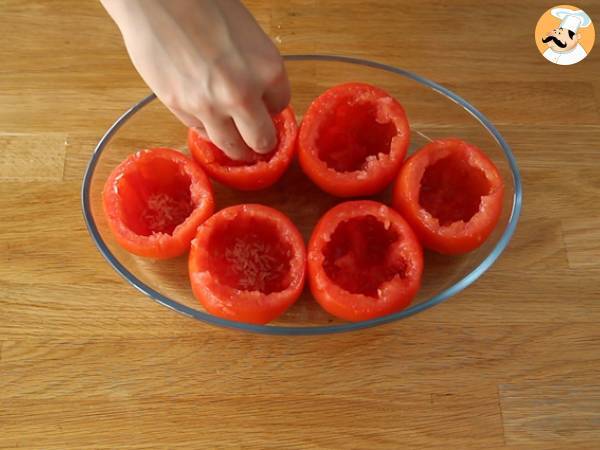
x=266 y=145
x=244 y=154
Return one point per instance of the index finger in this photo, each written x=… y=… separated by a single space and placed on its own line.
x=223 y=133
x=256 y=127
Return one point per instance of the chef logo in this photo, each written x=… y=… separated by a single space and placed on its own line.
x=565 y=35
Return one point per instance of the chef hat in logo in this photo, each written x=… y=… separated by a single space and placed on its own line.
x=571 y=19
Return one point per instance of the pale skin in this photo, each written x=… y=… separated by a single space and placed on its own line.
x=211 y=64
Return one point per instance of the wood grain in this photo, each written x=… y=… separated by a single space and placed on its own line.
x=32 y=157
x=565 y=414
x=264 y=418
x=511 y=362
x=582 y=241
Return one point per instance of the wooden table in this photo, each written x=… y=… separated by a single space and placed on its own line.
x=87 y=362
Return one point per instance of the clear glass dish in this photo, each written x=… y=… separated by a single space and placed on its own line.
x=433 y=112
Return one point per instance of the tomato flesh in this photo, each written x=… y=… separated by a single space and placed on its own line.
x=247 y=263
x=451 y=193
x=451 y=190
x=353 y=139
x=248 y=254
x=364 y=261
x=259 y=171
x=350 y=134
x=154 y=201
x=356 y=257
x=157 y=196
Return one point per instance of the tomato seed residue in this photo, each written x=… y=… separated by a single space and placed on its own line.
x=162 y=213
x=254 y=264
x=249 y=254
x=155 y=195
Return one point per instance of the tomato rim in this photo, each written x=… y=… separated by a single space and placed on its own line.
x=248 y=306
x=158 y=245
x=392 y=295
x=459 y=237
x=262 y=173
x=375 y=173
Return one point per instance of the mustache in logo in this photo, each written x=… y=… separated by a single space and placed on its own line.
x=555 y=40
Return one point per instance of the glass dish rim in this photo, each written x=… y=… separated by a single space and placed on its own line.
x=463 y=283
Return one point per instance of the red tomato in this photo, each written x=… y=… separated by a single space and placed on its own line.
x=247 y=264
x=451 y=194
x=364 y=261
x=353 y=139
x=155 y=200
x=262 y=171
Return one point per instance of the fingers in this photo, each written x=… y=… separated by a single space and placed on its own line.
x=191 y=121
x=187 y=119
x=237 y=120
x=277 y=95
x=224 y=134
x=202 y=132
x=250 y=129
x=221 y=131
x=256 y=127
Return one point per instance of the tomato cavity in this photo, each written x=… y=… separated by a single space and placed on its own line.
x=358 y=256
x=157 y=195
x=351 y=136
x=248 y=254
x=451 y=190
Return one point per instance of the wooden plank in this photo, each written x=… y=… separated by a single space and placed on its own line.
x=560 y=192
x=498 y=99
x=76 y=108
x=562 y=414
x=115 y=309
x=415 y=355
x=543 y=146
x=252 y=421
x=32 y=157
x=582 y=239
x=434 y=38
x=536 y=246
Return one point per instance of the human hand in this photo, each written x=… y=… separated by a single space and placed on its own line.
x=211 y=64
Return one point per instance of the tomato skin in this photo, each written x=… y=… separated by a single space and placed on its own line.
x=373 y=176
x=265 y=170
x=249 y=306
x=159 y=245
x=393 y=295
x=458 y=237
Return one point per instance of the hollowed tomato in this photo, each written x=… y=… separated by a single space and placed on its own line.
x=154 y=201
x=247 y=263
x=364 y=261
x=353 y=139
x=451 y=194
x=258 y=173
